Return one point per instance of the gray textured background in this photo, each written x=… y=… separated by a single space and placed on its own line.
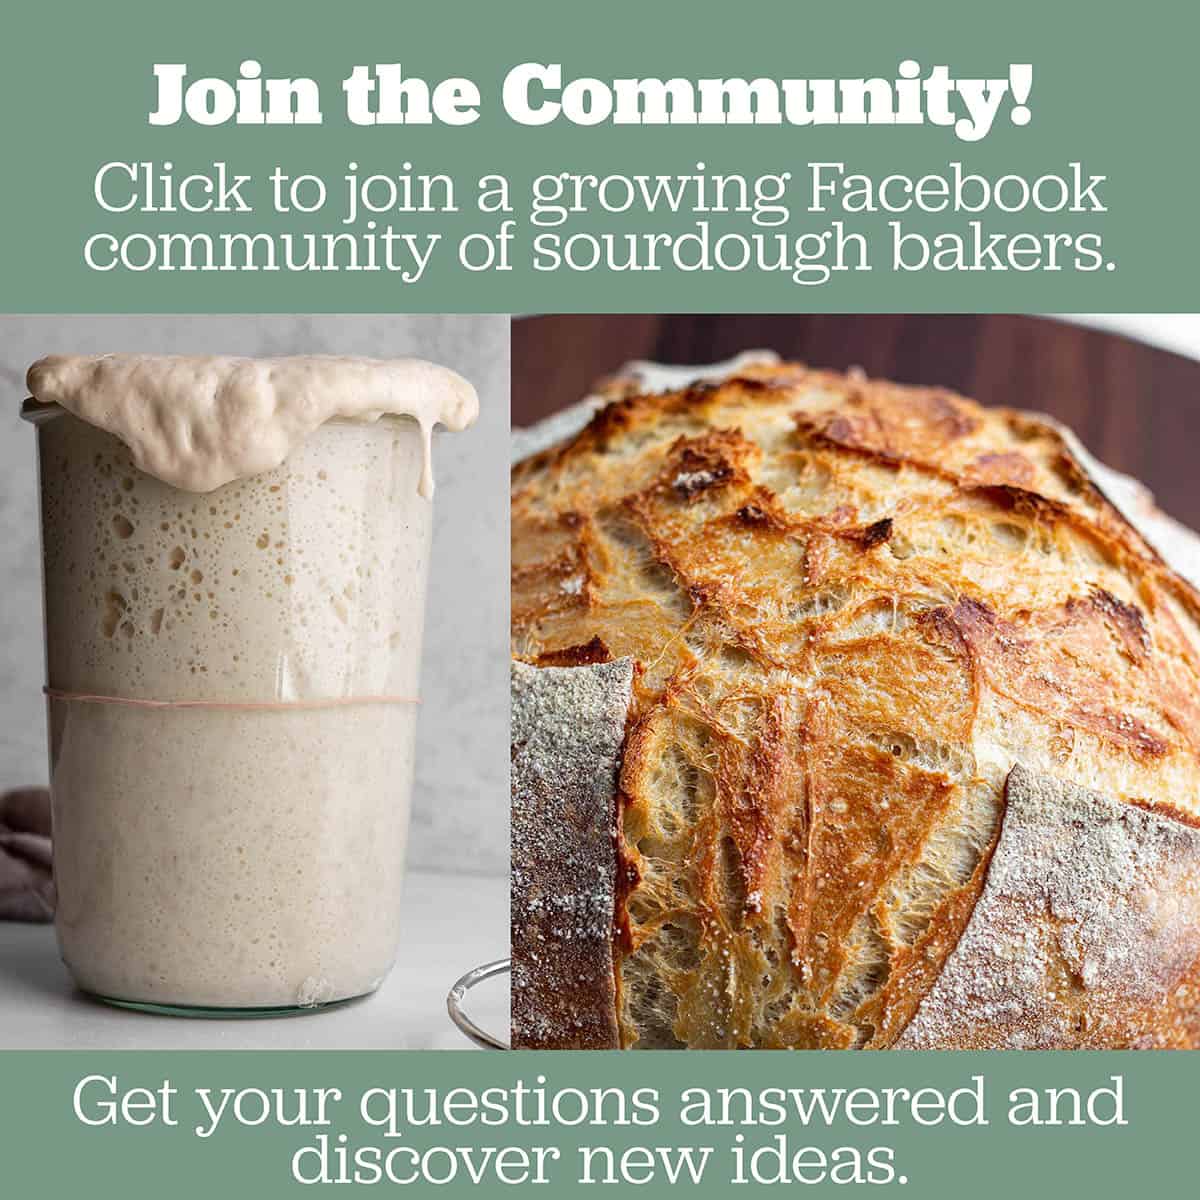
x=460 y=803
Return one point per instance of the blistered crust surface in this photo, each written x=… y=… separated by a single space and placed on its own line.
x=200 y=422
x=1087 y=925
x=568 y=723
x=855 y=607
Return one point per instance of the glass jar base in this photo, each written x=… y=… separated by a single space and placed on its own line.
x=212 y=1012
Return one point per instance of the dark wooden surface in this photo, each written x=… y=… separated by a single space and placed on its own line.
x=1135 y=407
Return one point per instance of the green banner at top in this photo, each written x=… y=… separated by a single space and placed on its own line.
x=781 y=157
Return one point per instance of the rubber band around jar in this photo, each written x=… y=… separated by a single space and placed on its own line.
x=228 y=705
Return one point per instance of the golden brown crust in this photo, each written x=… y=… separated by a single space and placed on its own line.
x=854 y=607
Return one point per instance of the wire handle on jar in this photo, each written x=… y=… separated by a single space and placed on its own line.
x=458 y=993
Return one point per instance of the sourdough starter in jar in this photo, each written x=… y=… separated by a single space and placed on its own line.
x=235 y=557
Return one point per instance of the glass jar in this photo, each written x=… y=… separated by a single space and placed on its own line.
x=232 y=686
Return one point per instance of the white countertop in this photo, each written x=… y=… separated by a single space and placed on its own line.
x=451 y=923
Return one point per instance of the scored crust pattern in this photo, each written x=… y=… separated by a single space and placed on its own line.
x=854 y=607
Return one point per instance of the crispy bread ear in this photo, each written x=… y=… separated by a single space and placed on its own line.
x=1087 y=928
x=568 y=728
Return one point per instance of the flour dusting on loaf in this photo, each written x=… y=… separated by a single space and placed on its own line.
x=1088 y=923
x=855 y=607
x=567 y=727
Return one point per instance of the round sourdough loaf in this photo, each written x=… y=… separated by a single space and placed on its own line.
x=911 y=754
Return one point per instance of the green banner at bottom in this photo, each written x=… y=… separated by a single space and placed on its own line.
x=276 y=1123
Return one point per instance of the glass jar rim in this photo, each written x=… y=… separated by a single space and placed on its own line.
x=35 y=412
